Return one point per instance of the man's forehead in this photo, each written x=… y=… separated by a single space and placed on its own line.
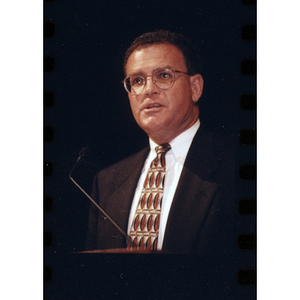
x=155 y=51
x=155 y=56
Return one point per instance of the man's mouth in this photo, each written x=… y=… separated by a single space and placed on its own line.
x=153 y=105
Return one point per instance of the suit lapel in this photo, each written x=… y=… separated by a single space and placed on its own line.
x=190 y=206
x=193 y=196
x=126 y=179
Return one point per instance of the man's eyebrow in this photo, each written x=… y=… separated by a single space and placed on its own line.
x=136 y=73
x=143 y=73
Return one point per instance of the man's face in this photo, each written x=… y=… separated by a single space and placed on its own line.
x=164 y=114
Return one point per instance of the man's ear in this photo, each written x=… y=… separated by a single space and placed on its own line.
x=197 y=83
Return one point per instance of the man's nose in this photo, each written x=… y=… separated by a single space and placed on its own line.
x=150 y=86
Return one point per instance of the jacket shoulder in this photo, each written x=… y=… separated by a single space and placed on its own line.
x=212 y=153
x=122 y=169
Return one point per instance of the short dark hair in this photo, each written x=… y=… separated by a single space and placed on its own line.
x=191 y=56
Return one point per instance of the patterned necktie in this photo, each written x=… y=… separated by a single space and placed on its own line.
x=145 y=226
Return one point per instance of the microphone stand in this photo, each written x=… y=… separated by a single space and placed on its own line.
x=128 y=239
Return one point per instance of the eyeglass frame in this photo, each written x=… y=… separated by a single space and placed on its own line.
x=145 y=81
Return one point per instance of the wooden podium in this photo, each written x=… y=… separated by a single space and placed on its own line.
x=126 y=251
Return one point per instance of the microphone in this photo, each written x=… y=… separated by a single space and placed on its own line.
x=84 y=152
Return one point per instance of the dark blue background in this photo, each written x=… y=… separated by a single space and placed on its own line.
x=91 y=107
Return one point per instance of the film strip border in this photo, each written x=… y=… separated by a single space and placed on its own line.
x=247 y=158
x=49 y=66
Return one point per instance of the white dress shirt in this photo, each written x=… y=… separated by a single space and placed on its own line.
x=175 y=159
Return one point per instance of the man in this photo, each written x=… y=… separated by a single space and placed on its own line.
x=194 y=173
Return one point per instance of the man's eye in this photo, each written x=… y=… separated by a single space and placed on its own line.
x=164 y=75
x=137 y=80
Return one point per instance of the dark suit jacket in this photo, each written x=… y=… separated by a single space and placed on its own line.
x=202 y=213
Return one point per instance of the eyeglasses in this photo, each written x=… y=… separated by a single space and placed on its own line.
x=163 y=79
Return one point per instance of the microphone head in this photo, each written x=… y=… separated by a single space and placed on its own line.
x=84 y=151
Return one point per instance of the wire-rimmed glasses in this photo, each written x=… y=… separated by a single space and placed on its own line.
x=162 y=78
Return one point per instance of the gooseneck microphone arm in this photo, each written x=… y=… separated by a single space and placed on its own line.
x=82 y=153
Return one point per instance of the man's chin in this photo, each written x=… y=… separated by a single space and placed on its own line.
x=151 y=125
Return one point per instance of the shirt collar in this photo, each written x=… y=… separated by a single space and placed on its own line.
x=181 y=144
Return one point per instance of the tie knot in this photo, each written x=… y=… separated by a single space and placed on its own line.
x=164 y=148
